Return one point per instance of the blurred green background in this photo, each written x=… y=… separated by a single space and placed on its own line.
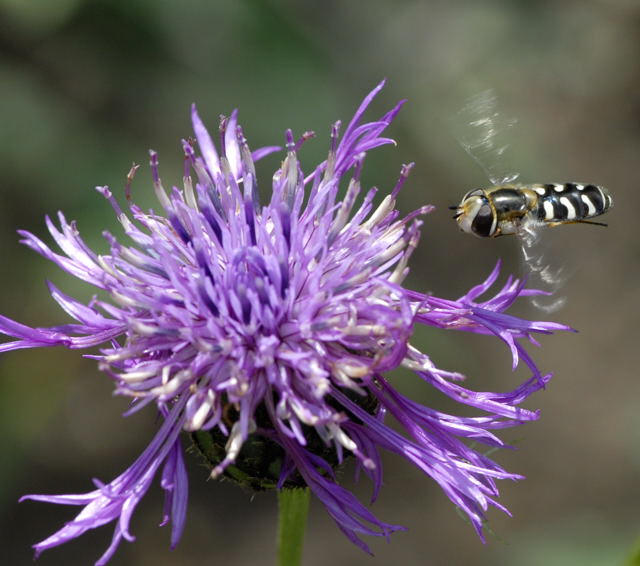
x=87 y=86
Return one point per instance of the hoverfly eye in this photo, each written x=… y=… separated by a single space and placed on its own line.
x=483 y=221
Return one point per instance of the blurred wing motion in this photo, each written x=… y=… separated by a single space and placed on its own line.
x=542 y=274
x=483 y=132
x=524 y=210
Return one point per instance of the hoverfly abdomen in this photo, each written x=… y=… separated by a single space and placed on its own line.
x=570 y=202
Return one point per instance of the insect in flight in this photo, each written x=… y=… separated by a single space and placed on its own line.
x=511 y=209
x=521 y=209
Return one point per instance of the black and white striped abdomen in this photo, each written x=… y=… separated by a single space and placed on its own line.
x=558 y=202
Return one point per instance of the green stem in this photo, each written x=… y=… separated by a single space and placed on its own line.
x=293 y=509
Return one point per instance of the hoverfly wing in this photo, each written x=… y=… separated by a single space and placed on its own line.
x=541 y=274
x=483 y=133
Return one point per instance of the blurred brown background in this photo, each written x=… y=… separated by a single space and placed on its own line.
x=87 y=86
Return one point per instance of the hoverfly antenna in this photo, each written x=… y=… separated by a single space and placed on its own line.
x=458 y=211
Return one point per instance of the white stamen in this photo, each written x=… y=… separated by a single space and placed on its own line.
x=353 y=369
x=170 y=387
x=302 y=413
x=342 y=437
x=401 y=271
x=190 y=196
x=106 y=266
x=387 y=204
x=344 y=380
x=233 y=447
x=135 y=376
x=125 y=222
x=346 y=206
x=201 y=414
x=143 y=329
x=124 y=300
x=366 y=330
x=391 y=251
x=162 y=196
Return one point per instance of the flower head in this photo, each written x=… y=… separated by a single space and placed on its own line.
x=267 y=326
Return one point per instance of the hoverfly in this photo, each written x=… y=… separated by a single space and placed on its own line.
x=504 y=209
x=522 y=209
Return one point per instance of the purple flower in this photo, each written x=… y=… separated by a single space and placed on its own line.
x=271 y=327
